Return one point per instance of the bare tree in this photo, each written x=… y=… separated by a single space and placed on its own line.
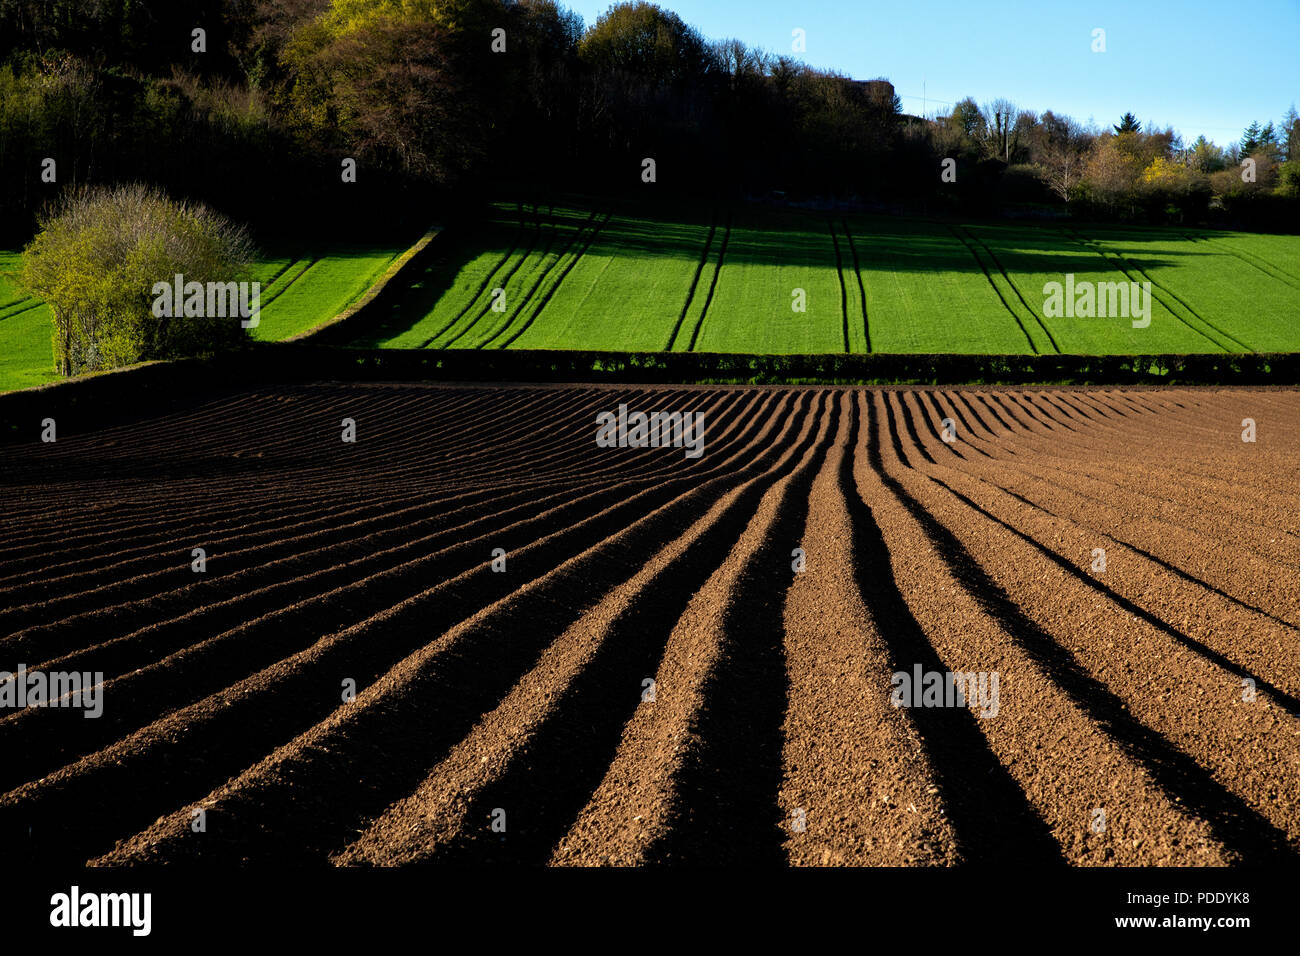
x=999 y=119
x=1060 y=152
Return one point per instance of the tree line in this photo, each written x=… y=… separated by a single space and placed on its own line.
x=253 y=107
x=1123 y=171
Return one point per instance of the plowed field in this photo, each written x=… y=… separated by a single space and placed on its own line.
x=650 y=678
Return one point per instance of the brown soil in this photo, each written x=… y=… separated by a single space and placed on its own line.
x=525 y=696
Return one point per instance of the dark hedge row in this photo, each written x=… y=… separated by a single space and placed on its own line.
x=684 y=367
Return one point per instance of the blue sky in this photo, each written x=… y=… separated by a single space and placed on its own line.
x=1201 y=67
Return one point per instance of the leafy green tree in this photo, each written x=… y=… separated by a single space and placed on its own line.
x=1288 y=179
x=1250 y=139
x=457 y=16
x=1205 y=157
x=1111 y=173
x=648 y=41
x=1290 y=134
x=1268 y=142
x=151 y=37
x=967 y=119
x=404 y=84
x=1128 y=124
x=97 y=258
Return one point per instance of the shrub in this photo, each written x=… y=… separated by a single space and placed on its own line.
x=97 y=258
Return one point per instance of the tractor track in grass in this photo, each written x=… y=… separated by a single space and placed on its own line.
x=593 y=226
x=695 y=281
x=1126 y=266
x=988 y=276
x=280 y=290
x=483 y=286
x=993 y=257
x=844 y=294
x=1270 y=269
x=862 y=289
x=527 y=298
x=275 y=277
x=26 y=308
x=510 y=274
x=713 y=282
x=1162 y=692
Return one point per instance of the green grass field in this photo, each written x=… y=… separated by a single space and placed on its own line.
x=298 y=292
x=26 y=333
x=611 y=277
x=668 y=277
x=1237 y=298
x=300 y=287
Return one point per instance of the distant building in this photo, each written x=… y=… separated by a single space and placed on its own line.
x=878 y=91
